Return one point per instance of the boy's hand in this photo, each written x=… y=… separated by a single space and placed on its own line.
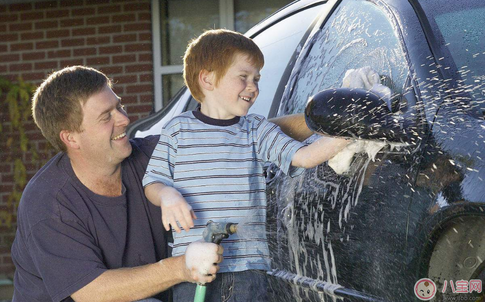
x=175 y=209
x=202 y=260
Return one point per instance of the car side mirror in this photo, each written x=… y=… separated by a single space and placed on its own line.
x=355 y=113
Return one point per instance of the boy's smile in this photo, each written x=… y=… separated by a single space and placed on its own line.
x=236 y=91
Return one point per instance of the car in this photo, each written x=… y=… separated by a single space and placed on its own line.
x=408 y=224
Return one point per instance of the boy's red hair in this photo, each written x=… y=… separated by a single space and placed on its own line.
x=214 y=51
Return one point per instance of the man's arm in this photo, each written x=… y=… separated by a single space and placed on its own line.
x=294 y=126
x=130 y=284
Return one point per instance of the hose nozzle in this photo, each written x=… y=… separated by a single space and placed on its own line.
x=214 y=231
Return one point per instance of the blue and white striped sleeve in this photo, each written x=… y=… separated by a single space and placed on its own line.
x=275 y=146
x=160 y=168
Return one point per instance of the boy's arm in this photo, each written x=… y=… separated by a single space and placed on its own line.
x=174 y=206
x=293 y=125
x=318 y=152
x=312 y=155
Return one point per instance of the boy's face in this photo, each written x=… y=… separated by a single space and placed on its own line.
x=236 y=91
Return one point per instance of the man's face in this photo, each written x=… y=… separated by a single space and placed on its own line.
x=103 y=138
x=236 y=91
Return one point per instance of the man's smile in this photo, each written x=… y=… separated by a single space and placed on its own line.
x=119 y=136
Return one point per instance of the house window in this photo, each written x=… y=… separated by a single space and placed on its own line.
x=176 y=22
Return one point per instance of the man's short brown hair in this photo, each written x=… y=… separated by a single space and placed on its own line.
x=214 y=50
x=57 y=103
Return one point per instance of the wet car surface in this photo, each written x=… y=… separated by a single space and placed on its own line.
x=418 y=209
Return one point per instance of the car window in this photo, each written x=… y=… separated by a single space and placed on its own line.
x=153 y=124
x=358 y=34
x=461 y=30
x=278 y=43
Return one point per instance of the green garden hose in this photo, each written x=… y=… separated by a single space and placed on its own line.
x=214 y=232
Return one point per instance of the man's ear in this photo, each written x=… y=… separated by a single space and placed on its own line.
x=206 y=79
x=69 y=139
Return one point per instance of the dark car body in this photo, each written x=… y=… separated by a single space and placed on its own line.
x=417 y=211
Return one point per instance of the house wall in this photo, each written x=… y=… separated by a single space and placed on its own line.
x=36 y=38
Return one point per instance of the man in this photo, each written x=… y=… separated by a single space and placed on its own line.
x=85 y=231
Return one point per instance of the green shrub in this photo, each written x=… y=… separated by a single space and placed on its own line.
x=17 y=98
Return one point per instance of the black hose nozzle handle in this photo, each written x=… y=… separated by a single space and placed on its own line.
x=215 y=232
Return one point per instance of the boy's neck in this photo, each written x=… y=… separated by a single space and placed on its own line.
x=214 y=112
x=215 y=122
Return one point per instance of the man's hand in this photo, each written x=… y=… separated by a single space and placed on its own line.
x=368 y=79
x=175 y=209
x=202 y=260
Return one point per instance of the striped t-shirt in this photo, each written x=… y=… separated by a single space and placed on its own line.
x=217 y=166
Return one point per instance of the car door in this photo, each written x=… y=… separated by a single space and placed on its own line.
x=348 y=230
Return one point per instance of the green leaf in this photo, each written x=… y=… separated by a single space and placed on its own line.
x=24 y=95
x=24 y=141
x=17 y=97
x=13 y=107
x=20 y=173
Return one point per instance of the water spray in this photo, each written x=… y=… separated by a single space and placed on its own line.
x=214 y=232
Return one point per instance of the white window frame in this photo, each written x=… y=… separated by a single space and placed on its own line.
x=226 y=13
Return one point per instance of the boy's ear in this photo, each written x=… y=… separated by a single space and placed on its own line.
x=206 y=79
x=69 y=139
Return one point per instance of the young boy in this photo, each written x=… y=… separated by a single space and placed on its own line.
x=211 y=162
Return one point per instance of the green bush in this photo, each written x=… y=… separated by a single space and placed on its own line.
x=17 y=98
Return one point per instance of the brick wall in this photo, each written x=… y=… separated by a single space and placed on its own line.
x=36 y=38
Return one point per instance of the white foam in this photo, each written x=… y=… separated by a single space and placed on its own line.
x=340 y=163
x=201 y=255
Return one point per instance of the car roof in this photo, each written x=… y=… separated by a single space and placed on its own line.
x=283 y=13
